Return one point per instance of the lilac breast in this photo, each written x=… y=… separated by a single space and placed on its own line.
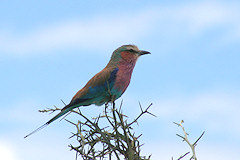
x=124 y=75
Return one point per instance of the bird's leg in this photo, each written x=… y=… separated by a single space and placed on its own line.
x=106 y=104
x=111 y=97
x=108 y=88
x=113 y=100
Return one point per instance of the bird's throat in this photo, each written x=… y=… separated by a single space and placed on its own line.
x=124 y=74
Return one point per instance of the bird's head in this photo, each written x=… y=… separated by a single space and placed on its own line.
x=128 y=53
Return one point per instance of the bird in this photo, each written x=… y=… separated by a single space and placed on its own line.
x=107 y=85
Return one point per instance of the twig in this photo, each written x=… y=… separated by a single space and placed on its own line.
x=142 y=112
x=111 y=140
x=185 y=138
x=183 y=155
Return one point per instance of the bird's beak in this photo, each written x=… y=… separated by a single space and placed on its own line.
x=143 y=52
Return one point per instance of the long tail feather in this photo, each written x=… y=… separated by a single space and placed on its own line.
x=63 y=111
x=43 y=126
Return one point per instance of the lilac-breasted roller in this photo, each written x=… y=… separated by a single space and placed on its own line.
x=107 y=85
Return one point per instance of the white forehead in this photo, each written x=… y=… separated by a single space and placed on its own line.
x=128 y=47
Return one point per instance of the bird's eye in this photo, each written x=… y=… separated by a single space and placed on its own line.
x=133 y=51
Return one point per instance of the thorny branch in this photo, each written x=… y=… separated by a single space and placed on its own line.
x=185 y=138
x=142 y=112
x=114 y=139
x=107 y=135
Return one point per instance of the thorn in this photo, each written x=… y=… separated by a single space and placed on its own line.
x=65 y=115
x=70 y=122
x=152 y=114
x=176 y=124
x=140 y=106
x=181 y=137
x=195 y=143
x=63 y=102
x=121 y=105
x=149 y=106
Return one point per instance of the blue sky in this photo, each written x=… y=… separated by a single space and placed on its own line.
x=50 y=49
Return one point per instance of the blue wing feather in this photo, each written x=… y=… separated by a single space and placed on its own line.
x=97 y=94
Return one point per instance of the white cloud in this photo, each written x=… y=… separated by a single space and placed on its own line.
x=6 y=152
x=109 y=30
x=98 y=32
x=207 y=18
x=205 y=15
x=200 y=16
x=17 y=111
x=206 y=151
x=206 y=109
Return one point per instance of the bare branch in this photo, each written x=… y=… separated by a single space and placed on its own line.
x=142 y=112
x=185 y=138
x=98 y=140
